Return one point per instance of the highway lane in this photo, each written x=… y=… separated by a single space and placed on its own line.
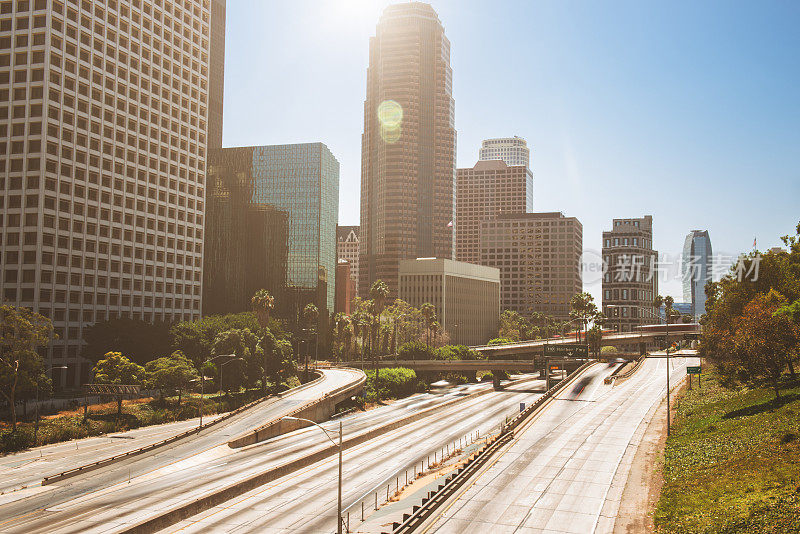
x=306 y=500
x=111 y=500
x=32 y=501
x=30 y=466
x=556 y=476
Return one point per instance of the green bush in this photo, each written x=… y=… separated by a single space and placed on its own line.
x=393 y=383
x=414 y=350
x=456 y=352
x=608 y=350
x=500 y=341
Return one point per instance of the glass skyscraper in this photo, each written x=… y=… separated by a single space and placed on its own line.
x=293 y=191
x=696 y=269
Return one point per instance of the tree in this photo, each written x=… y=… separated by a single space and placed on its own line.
x=594 y=337
x=175 y=371
x=196 y=338
x=262 y=303
x=115 y=368
x=21 y=332
x=765 y=341
x=378 y=293
x=139 y=340
x=429 y=314
x=414 y=350
x=241 y=344
x=583 y=310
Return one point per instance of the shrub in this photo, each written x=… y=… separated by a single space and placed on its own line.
x=414 y=350
x=500 y=341
x=608 y=350
x=395 y=382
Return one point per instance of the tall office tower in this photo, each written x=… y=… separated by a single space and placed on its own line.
x=539 y=257
x=630 y=281
x=512 y=150
x=408 y=145
x=103 y=123
x=347 y=249
x=696 y=270
x=484 y=192
x=216 y=74
x=247 y=242
x=272 y=209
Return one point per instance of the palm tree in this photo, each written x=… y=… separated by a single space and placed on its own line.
x=261 y=303
x=378 y=293
x=435 y=330
x=311 y=314
x=429 y=314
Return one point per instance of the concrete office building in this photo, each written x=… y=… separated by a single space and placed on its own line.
x=345 y=288
x=512 y=150
x=630 y=281
x=466 y=296
x=347 y=249
x=408 y=145
x=539 y=257
x=696 y=270
x=488 y=189
x=103 y=135
x=254 y=190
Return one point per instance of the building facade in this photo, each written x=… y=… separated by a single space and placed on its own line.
x=345 y=288
x=630 y=281
x=292 y=194
x=408 y=145
x=466 y=296
x=696 y=270
x=347 y=249
x=484 y=191
x=103 y=135
x=539 y=257
x=512 y=150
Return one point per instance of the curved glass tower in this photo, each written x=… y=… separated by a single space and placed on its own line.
x=696 y=269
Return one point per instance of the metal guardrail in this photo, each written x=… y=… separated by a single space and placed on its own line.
x=51 y=479
x=421 y=513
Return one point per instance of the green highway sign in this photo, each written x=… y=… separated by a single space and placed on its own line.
x=693 y=370
x=567 y=351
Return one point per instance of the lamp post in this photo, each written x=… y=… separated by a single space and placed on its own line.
x=223 y=364
x=36 y=426
x=339 y=447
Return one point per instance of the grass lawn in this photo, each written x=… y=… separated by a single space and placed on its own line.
x=732 y=463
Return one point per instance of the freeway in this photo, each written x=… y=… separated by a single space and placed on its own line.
x=26 y=468
x=34 y=508
x=564 y=470
x=306 y=500
x=136 y=490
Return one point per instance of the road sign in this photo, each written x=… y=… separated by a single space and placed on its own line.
x=693 y=370
x=521 y=406
x=567 y=351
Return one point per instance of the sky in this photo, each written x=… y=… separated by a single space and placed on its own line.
x=687 y=111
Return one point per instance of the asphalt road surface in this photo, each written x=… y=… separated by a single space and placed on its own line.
x=556 y=476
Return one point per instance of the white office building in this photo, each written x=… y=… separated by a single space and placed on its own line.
x=512 y=150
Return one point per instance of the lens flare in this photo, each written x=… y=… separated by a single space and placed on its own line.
x=390 y=115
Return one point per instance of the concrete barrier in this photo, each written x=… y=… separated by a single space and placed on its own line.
x=627 y=374
x=318 y=410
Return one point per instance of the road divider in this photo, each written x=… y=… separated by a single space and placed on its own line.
x=52 y=479
x=627 y=374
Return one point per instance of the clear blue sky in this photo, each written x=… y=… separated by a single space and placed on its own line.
x=689 y=111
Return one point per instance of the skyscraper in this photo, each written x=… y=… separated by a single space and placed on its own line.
x=272 y=210
x=347 y=249
x=216 y=74
x=512 y=150
x=103 y=122
x=408 y=145
x=696 y=269
x=484 y=191
x=630 y=281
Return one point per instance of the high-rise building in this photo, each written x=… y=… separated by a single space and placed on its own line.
x=630 y=281
x=247 y=242
x=466 y=296
x=484 y=191
x=696 y=270
x=104 y=123
x=216 y=74
x=513 y=150
x=347 y=249
x=345 y=288
x=539 y=257
x=408 y=145
x=298 y=184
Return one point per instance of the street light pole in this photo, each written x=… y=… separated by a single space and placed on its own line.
x=340 y=447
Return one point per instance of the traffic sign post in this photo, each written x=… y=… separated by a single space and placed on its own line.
x=694 y=370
